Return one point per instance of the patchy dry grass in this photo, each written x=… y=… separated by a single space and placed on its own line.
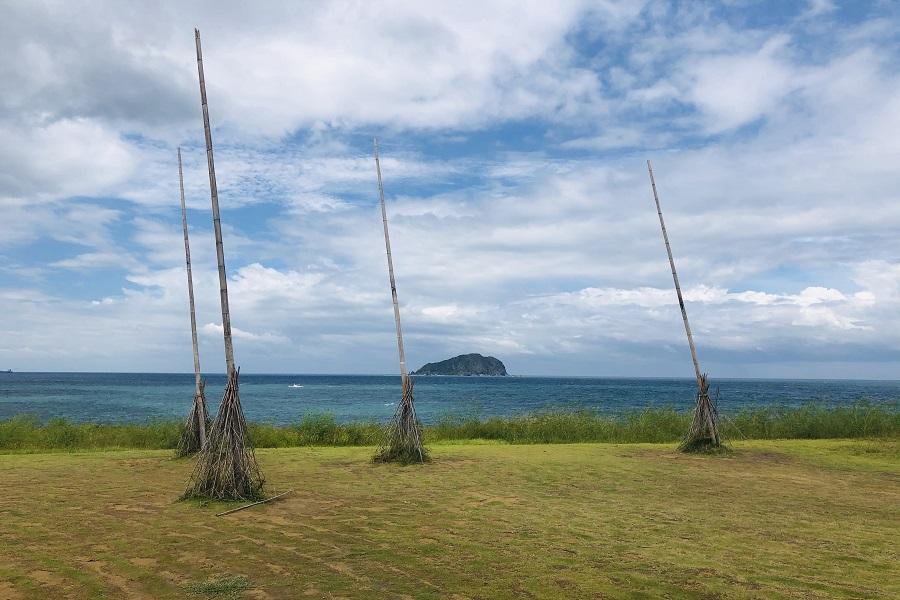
x=772 y=519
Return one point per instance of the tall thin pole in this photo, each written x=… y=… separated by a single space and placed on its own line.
x=390 y=261
x=190 y=279
x=687 y=325
x=214 y=194
x=190 y=282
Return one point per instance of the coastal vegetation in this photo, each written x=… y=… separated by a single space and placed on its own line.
x=772 y=519
x=663 y=425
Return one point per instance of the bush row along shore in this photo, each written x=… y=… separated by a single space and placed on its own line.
x=664 y=425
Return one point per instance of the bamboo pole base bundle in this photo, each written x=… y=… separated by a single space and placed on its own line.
x=704 y=432
x=197 y=424
x=227 y=467
x=403 y=439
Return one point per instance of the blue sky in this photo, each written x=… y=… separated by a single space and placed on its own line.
x=513 y=137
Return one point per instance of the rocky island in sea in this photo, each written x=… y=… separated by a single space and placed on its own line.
x=465 y=364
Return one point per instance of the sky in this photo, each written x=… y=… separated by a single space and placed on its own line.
x=513 y=137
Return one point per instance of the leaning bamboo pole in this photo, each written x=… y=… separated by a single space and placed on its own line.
x=704 y=431
x=403 y=442
x=217 y=223
x=227 y=468
x=193 y=438
x=390 y=261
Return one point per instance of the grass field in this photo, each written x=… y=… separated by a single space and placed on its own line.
x=774 y=519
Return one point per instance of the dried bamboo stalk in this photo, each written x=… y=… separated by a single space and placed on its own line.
x=403 y=442
x=227 y=467
x=217 y=225
x=193 y=437
x=387 y=246
x=704 y=431
x=684 y=317
x=252 y=504
x=190 y=277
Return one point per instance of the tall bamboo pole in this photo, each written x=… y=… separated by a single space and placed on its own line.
x=684 y=317
x=214 y=194
x=387 y=245
x=704 y=430
x=404 y=439
x=227 y=467
x=198 y=383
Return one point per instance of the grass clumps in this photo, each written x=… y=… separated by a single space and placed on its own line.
x=657 y=425
x=315 y=430
x=223 y=587
x=815 y=422
x=27 y=433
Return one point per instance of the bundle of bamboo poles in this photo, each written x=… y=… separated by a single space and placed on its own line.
x=227 y=467
x=193 y=437
x=403 y=437
x=704 y=431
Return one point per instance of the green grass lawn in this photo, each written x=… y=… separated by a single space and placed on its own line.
x=775 y=519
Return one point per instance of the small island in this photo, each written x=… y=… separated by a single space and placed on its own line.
x=465 y=365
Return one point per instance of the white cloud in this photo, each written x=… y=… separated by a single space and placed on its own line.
x=532 y=245
x=94 y=260
x=215 y=330
x=734 y=90
x=816 y=8
x=62 y=158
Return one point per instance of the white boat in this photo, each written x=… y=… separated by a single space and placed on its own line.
x=294 y=385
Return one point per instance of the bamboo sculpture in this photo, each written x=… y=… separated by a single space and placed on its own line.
x=193 y=438
x=227 y=467
x=704 y=431
x=403 y=439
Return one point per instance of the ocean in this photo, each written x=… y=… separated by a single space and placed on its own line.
x=282 y=399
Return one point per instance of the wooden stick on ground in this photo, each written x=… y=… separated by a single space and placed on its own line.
x=234 y=510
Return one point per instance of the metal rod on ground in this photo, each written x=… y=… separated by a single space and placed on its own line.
x=234 y=510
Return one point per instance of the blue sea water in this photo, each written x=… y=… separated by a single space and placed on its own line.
x=141 y=397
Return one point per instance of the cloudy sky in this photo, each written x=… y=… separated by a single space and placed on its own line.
x=514 y=137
